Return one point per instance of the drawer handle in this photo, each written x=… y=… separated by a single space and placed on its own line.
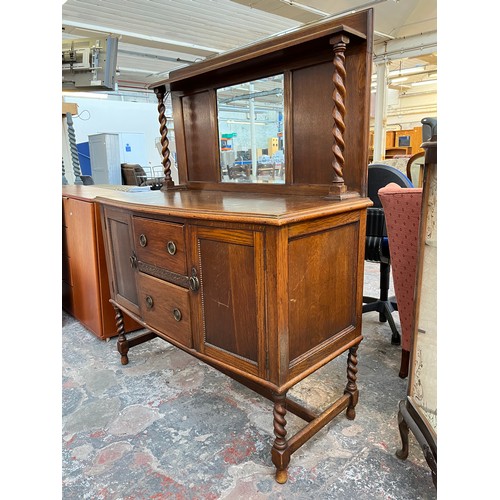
x=177 y=314
x=143 y=241
x=171 y=248
x=149 y=302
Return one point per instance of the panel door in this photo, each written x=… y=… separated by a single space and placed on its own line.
x=230 y=301
x=81 y=251
x=325 y=273
x=122 y=260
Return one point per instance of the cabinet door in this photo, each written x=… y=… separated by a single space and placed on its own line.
x=82 y=261
x=230 y=301
x=122 y=261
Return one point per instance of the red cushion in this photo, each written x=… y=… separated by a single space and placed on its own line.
x=402 y=214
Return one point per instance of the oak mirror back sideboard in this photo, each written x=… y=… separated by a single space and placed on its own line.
x=253 y=263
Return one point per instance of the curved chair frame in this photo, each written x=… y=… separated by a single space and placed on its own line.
x=411 y=161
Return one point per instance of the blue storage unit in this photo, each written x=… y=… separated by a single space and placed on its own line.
x=84 y=157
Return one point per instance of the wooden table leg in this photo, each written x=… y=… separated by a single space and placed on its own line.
x=403 y=431
x=122 y=343
x=280 y=452
x=351 y=387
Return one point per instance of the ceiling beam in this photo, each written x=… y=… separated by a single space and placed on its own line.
x=412 y=46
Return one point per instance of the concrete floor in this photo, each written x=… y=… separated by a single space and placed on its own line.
x=168 y=426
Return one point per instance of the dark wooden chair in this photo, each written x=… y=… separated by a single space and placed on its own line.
x=377 y=243
x=132 y=174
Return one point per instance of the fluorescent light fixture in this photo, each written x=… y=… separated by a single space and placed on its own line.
x=238 y=122
x=133 y=70
x=406 y=71
x=351 y=10
x=90 y=95
x=305 y=7
x=426 y=82
x=398 y=80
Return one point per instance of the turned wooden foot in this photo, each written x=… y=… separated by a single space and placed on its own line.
x=122 y=343
x=280 y=452
x=351 y=387
x=281 y=476
x=403 y=431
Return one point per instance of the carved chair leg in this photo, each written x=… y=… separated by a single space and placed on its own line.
x=403 y=431
x=280 y=452
x=351 y=387
x=405 y=363
x=122 y=343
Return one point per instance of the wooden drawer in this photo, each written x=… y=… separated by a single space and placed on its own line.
x=160 y=244
x=165 y=307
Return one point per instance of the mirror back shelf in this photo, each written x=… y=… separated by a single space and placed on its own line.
x=287 y=115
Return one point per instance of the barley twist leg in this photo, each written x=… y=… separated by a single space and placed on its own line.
x=280 y=452
x=122 y=343
x=351 y=387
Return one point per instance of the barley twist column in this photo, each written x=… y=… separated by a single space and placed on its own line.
x=64 y=180
x=339 y=43
x=75 y=160
x=351 y=387
x=165 y=152
x=122 y=344
x=280 y=452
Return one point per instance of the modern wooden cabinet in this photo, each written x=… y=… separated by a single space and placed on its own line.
x=258 y=275
x=85 y=286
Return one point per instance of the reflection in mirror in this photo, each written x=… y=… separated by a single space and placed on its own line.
x=251 y=131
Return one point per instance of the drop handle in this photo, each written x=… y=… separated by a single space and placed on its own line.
x=149 y=302
x=194 y=282
x=143 y=241
x=171 y=248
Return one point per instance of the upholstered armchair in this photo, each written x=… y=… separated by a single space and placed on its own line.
x=402 y=216
x=377 y=247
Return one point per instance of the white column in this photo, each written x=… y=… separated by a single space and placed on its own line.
x=380 y=113
x=253 y=145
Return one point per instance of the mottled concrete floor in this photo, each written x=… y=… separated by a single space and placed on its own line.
x=167 y=426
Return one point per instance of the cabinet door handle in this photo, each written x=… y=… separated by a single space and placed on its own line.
x=143 y=241
x=149 y=302
x=177 y=314
x=171 y=248
x=133 y=261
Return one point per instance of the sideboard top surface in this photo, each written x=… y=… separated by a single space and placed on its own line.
x=220 y=205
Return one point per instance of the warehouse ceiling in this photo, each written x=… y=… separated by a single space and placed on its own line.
x=158 y=36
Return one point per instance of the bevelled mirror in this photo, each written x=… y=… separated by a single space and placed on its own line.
x=251 y=131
